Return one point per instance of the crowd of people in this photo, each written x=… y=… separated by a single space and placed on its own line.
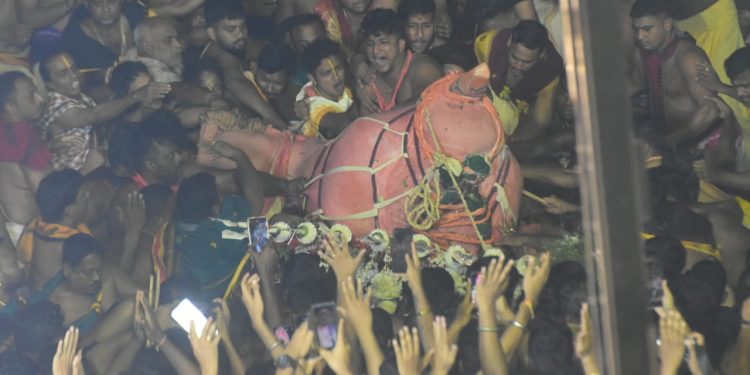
x=110 y=222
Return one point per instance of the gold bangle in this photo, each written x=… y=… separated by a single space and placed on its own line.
x=516 y=323
x=274 y=346
x=423 y=312
x=487 y=329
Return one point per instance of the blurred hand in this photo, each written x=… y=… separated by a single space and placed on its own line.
x=672 y=331
x=150 y=324
x=443 y=25
x=154 y=91
x=300 y=343
x=414 y=269
x=368 y=101
x=266 y=261
x=252 y=297
x=339 y=359
x=340 y=258
x=707 y=77
x=536 y=278
x=223 y=317
x=557 y=206
x=355 y=306
x=724 y=111
x=226 y=150
x=206 y=347
x=445 y=352
x=134 y=215
x=302 y=109
x=67 y=352
x=407 y=349
x=492 y=281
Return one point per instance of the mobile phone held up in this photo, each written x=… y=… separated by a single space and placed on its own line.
x=258 y=228
x=324 y=321
x=186 y=312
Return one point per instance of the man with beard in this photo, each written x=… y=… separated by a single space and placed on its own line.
x=418 y=17
x=682 y=109
x=157 y=47
x=70 y=116
x=524 y=79
x=228 y=34
x=400 y=75
x=303 y=30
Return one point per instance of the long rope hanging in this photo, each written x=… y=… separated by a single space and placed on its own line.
x=422 y=205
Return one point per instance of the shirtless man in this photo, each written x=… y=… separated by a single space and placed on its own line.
x=228 y=34
x=525 y=77
x=400 y=75
x=24 y=159
x=67 y=124
x=62 y=204
x=303 y=30
x=665 y=67
x=420 y=28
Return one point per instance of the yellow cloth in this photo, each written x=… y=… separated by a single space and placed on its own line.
x=745 y=207
x=717 y=31
x=319 y=106
x=509 y=110
x=702 y=248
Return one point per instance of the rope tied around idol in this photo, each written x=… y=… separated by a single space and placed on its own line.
x=422 y=206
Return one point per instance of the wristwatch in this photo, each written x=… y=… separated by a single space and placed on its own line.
x=285 y=362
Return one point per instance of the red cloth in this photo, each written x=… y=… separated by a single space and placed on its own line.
x=21 y=143
x=652 y=63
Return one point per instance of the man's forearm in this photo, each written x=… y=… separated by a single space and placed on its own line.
x=270 y=301
x=108 y=110
x=250 y=182
x=491 y=354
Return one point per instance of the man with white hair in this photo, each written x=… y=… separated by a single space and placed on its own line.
x=157 y=47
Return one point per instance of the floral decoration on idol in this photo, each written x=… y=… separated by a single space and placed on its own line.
x=280 y=232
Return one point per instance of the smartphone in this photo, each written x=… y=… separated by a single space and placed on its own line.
x=186 y=312
x=324 y=321
x=258 y=227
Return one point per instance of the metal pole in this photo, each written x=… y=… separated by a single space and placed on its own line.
x=611 y=175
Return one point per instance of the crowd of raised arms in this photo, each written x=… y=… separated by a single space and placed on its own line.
x=124 y=241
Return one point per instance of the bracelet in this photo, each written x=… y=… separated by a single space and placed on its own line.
x=161 y=342
x=274 y=346
x=423 y=312
x=516 y=323
x=487 y=329
x=530 y=305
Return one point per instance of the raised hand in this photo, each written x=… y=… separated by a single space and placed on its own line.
x=414 y=269
x=672 y=331
x=223 y=317
x=300 y=343
x=134 y=212
x=406 y=348
x=443 y=25
x=206 y=347
x=584 y=340
x=338 y=256
x=445 y=352
x=150 y=323
x=252 y=297
x=492 y=281
x=67 y=353
x=355 y=305
x=557 y=206
x=339 y=359
x=536 y=278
